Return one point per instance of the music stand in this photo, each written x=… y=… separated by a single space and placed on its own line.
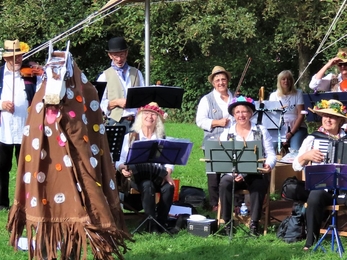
x=164 y=96
x=274 y=117
x=164 y=151
x=115 y=135
x=100 y=87
x=233 y=157
x=327 y=176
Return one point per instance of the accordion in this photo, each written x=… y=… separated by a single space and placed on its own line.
x=335 y=151
x=148 y=171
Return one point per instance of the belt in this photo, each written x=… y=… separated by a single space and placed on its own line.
x=129 y=118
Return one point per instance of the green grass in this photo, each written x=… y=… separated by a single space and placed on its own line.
x=187 y=246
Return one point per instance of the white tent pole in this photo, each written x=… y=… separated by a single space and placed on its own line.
x=147 y=42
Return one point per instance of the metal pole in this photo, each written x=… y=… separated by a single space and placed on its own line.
x=147 y=42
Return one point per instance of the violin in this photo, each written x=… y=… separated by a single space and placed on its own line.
x=33 y=70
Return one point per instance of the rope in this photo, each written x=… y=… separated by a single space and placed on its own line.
x=103 y=12
x=337 y=17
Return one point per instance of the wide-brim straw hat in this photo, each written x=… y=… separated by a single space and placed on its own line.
x=241 y=100
x=14 y=48
x=117 y=44
x=331 y=107
x=216 y=70
x=153 y=107
x=342 y=54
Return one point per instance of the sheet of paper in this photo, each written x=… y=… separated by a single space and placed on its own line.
x=176 y=210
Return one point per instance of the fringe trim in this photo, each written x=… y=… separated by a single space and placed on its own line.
x=70 y=238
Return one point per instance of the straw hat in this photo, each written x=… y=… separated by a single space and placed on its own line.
x=216 y=70
x=342 y=54
x=153 y=107
x=331 y=107
x=241 y=100
x=14 y=47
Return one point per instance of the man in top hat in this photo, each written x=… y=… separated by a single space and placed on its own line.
x=212 y=116
x=16 y=94
x=332 y=82
x=119 y=77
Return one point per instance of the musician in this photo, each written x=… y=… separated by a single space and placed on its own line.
x=16 y=94
x=242 y=109
x=212 y=116
x=149 y=125
x=331 y=82
x=293 y=101
x=333 y=114
x=119 y=77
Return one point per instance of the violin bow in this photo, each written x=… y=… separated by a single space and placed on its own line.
x=243 y=75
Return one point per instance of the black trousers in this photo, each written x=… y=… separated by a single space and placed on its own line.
x=148 y=189
x=316 y=202
x=213 y=188
x=257 y=186
x=6 y=153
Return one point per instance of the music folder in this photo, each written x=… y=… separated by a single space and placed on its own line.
x=164 y=96
x=100 y=87
x=164 y=151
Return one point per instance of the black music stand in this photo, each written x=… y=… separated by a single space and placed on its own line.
x=233 y=157
x=164 y=151
x=100 y=87
x=164 y=96
x=319 y=177
x=115 y=137
x=273 y=120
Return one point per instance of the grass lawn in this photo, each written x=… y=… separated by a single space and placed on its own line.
x=185 y=245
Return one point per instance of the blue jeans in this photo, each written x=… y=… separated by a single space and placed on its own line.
x=297 y=139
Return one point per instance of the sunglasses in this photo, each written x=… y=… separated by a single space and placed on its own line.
x=342 y=64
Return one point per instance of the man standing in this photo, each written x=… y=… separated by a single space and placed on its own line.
x=119 y=77
x=16 y=94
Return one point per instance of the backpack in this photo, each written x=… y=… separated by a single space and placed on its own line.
x=294 y=189
x=292 y=228
x=192 y=195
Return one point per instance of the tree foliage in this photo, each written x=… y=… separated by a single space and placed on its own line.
x=187 y=39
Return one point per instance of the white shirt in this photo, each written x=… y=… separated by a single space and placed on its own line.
x=202 y=119
x=12 y=125
x=125 y=149
x=290 y=102
x=126 y=85
x=305 y=147
x=268 y=148
x=324 y=83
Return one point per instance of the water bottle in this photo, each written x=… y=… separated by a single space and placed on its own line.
x=244 y=210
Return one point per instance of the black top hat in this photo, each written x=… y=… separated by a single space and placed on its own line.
x=117 y=44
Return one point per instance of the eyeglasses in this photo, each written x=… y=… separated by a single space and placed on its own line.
x=342 y=64
x=241 y=112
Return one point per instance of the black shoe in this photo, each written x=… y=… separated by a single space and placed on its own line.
x=254 y=228
x=4 y=208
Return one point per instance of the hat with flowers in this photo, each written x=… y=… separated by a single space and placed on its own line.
x=241 y=100
x=14 y=48
x=153 y=107
x=331 y=107
x=342 y=54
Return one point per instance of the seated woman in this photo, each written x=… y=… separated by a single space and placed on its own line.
x=293 y=100
x=242 y=110
x=333 y=114
x=149 y=178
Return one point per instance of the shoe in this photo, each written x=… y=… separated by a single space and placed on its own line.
x=254 y=228
x=4 y=208
x=306 y=248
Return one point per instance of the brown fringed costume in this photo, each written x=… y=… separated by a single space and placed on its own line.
x=66 y=193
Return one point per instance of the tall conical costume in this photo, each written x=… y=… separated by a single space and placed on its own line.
x=66 y=193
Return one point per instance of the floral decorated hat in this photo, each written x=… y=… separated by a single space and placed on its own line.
x=241 y=100
x=153 y=107
x=342 y=54
x=331 y=107
x=14 y=47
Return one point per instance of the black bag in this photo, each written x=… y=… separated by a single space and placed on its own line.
x=292 y=228
x=192 y=195
x=179 y=223
x=294 y=189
